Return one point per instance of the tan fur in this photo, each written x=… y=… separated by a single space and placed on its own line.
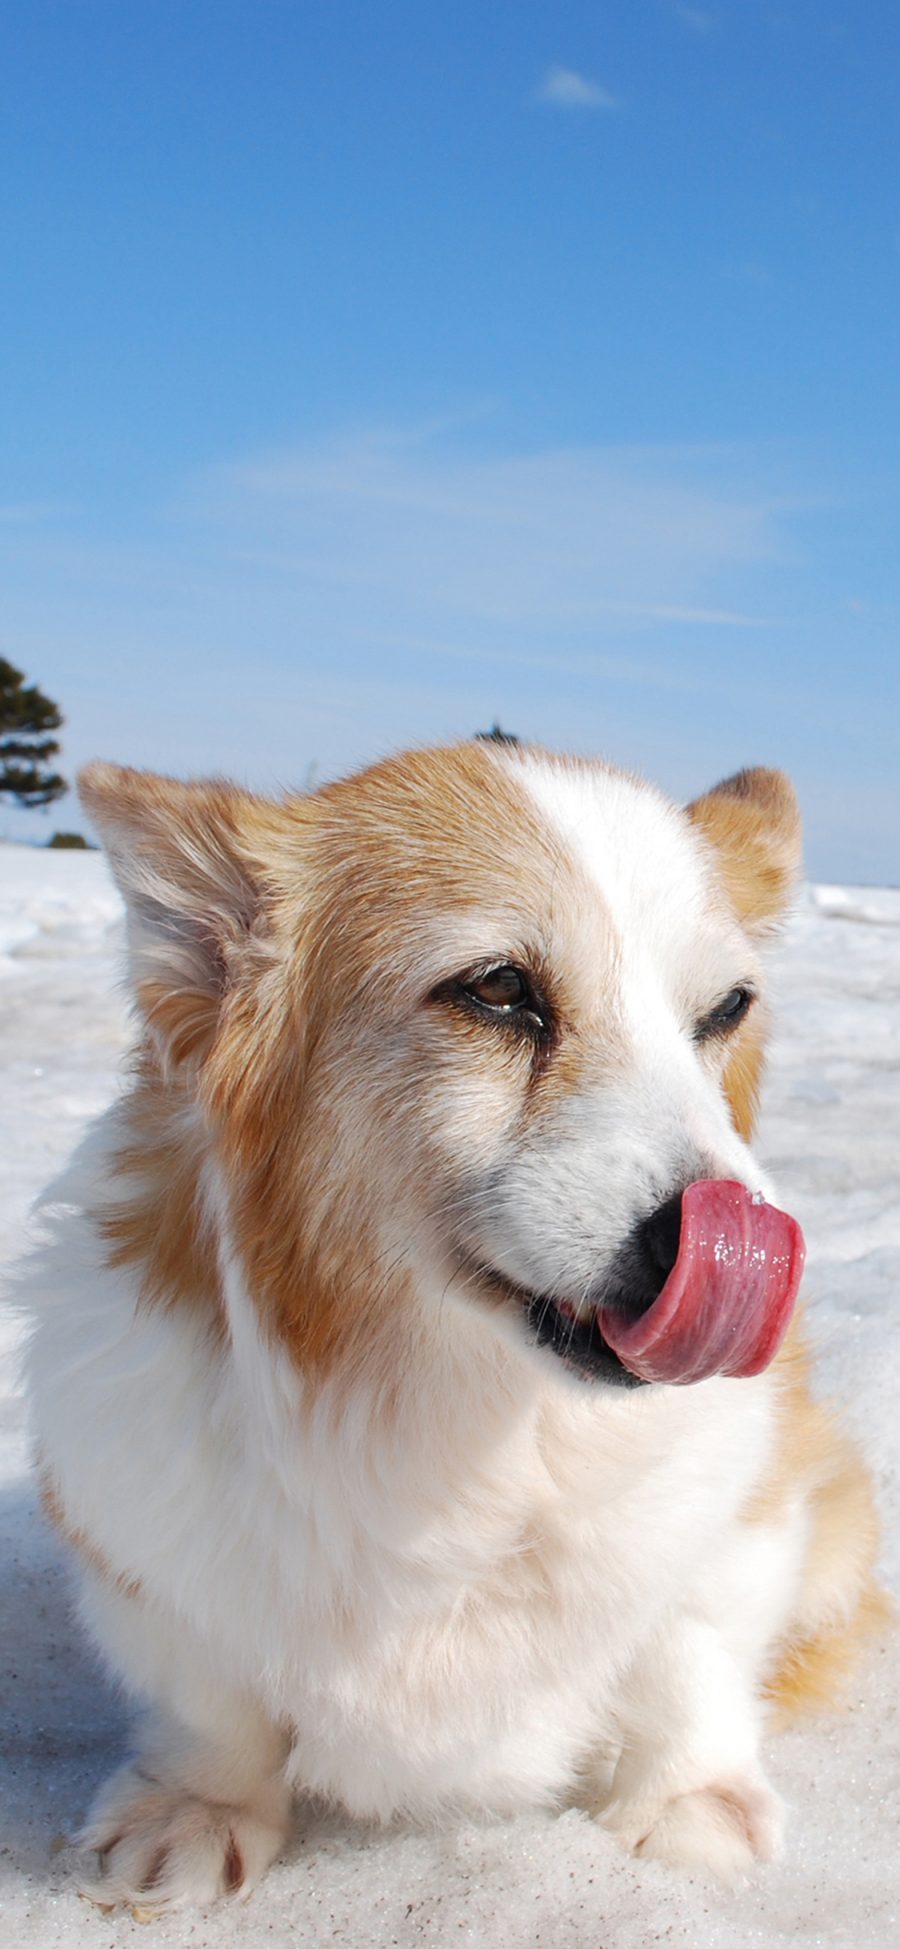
x=314 y=1284
x=839 y=1604
x=752 y=822
x=812 y=1673
x=342 y=878
x=156 y=1223
x=743 y=1073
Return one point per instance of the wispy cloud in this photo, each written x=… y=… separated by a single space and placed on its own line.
x=402 y=584
x=24 y=513
x=698 y=19
x=366 y=590
x=567 y=88
x=751 y=273
x=572 y=539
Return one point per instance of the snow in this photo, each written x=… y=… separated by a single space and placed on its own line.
x=831 y=1136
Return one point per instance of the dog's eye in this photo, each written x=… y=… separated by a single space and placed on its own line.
x=502 y=988
x=726 y=1015
x=505 y=993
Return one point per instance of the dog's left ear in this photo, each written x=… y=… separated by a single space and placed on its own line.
x=753 y=822
x=186 y=864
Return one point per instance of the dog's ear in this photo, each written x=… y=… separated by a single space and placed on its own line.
x=183 y=858
x=753 y=822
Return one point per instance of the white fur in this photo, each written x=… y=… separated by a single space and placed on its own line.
x=488 y=1597
x=557 y=1210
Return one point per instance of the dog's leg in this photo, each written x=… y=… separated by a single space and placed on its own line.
x=688 y=1787
x=203 y=1807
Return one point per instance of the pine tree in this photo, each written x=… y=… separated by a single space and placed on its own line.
x=26 y=719
x=497 y=736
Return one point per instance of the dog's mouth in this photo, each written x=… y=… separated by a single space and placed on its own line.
x=577 y=1341
x=723 y=1308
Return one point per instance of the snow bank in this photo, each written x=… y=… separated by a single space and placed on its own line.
x=54 y=906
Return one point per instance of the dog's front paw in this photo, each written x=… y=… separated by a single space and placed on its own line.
x=723 y=1828
x=161 y=1848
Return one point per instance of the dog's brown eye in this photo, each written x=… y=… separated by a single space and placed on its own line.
x=726 y=1015
x=506 y=994
x=501 y=988
x=502 y=994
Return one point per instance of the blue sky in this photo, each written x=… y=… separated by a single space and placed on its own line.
x=374 y=371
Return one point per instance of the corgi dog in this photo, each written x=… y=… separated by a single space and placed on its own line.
x=413 y=1373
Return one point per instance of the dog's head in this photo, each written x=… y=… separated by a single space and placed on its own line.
x=465 y=1027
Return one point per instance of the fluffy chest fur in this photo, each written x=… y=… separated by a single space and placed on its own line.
x=448 y=1579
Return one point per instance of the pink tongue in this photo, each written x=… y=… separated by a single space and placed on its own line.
x=725 y=1306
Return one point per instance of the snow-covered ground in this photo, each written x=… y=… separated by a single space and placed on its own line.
x=831 y=1135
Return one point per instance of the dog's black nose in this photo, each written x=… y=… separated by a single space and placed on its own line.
x=643 y=1265
x=658 y=1238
